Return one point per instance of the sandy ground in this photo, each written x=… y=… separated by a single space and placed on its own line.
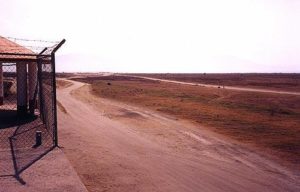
x=118 y=147
x=52 y=173
x=218 y=86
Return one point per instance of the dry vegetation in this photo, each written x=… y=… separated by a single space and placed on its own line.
x=61 y=107
x=60 y=84
x=275 y=81
x=268 y=121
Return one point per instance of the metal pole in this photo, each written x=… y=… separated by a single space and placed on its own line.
x=40 y=83
x=54 y=90
x=54 y=99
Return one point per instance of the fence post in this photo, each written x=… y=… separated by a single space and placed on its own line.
x=39 y=66
x=54 y=99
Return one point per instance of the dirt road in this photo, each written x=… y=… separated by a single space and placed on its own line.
x=218 y=86
x=117 y=147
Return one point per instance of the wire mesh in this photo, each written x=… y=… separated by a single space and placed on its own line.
x=47 y=98
x=18 y=133
x=28 y=127
x=9 y=87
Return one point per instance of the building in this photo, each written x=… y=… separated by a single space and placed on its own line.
x=28 y=116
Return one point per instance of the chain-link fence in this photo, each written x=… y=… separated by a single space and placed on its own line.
x=26 y=136
x=28 y=122
x=9 y=84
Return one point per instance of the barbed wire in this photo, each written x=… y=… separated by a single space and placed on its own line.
x=26 y=46
x=21 y=44
x=31 y=40
x=36 y=49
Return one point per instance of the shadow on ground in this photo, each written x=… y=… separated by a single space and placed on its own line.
x=18 y=147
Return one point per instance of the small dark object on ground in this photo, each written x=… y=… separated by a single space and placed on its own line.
x=38 y=139
x=108 y=83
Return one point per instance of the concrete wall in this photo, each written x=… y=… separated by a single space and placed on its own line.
x=32 y=83
x=22 y=88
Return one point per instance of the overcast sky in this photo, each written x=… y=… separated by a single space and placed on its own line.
x=162 y=35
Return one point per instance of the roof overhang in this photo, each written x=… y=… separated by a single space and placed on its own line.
x=11 y=52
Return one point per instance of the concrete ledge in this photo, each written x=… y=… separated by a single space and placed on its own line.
x=51 y=173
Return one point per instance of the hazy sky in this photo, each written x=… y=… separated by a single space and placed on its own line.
x=162 y=35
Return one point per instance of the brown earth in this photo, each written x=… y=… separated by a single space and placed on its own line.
x=234 y=88
x=273 y=81
x=119 y=147
x=60 y=83
x=269 y=121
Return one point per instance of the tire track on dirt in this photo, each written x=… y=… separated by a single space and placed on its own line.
x=156 y=153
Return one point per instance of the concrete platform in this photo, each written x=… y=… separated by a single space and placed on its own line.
x=51 y=173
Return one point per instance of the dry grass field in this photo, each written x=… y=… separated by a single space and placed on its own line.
x=267 y=121
x=274 y=81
